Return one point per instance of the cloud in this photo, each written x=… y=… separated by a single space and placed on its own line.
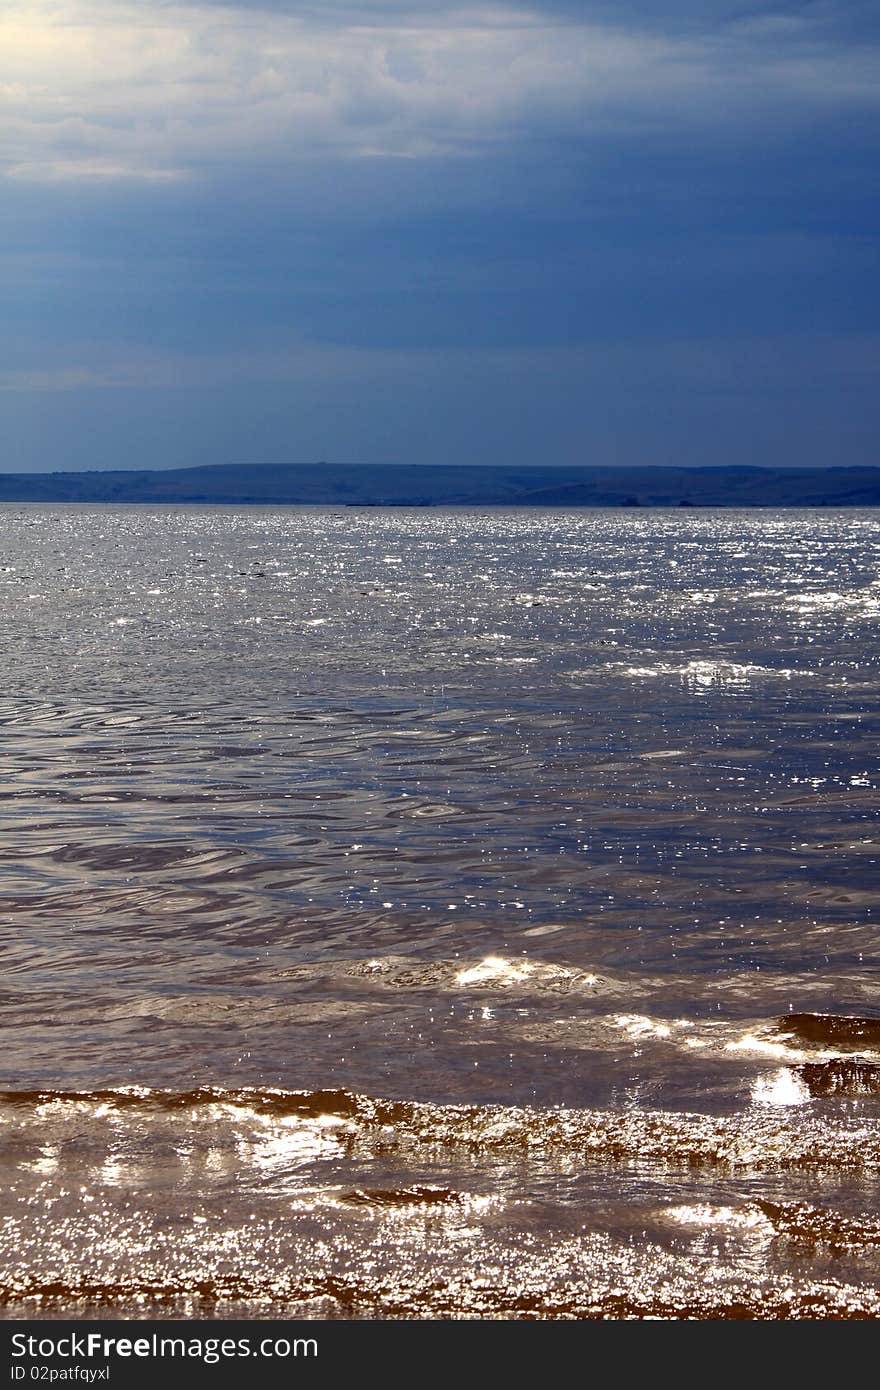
x=97 y=90
x=762 y=401
x=720 y=368
x=382 y=228
x=94 y=170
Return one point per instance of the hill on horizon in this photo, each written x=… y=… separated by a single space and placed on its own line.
x=396 y=485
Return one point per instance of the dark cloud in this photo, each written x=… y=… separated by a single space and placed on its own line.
x=846 y=19
x=673 y=262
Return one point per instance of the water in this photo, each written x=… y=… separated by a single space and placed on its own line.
x=412 y=913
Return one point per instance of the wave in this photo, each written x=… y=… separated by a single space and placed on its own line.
x=842 y=1077
x=811 y=1226
x=139 y=1202
x=417 y=1196
x=437 y=1270
x=830 y=1030
x=454 y=1299
x=756 y=1138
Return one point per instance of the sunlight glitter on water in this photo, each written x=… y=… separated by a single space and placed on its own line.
x=305 y=896
x=783 y=1087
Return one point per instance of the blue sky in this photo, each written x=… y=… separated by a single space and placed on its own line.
x=553 y=232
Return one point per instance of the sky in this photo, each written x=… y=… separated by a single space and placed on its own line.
x=607 y=232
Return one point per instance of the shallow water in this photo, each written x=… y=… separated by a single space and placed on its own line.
x=421 y=913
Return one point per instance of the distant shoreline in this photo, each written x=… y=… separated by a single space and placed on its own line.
x=387 y=485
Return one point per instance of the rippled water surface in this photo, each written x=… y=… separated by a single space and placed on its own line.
x=423 y=913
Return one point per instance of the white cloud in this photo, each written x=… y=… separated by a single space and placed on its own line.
x=48 y=170
x=111 y=89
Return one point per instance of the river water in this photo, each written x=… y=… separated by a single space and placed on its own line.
x=414 y=913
